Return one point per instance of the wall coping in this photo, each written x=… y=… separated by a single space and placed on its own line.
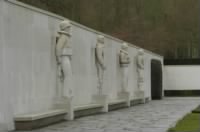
x=21 y=4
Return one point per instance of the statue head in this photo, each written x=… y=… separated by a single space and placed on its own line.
x=124 y=46
x=141 y=52
x=100 y=39
x=65 y=25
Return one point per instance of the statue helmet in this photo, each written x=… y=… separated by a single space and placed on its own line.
x=125 y=46
x=141 y=51
x=100 y=38
x=65 y=24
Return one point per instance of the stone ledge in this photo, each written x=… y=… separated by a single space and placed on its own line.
x=86 y=110
x=118 y=104
x=119 y=101
x=38 y=120
x=134 y=102
x=36 y=116
x=90 y=106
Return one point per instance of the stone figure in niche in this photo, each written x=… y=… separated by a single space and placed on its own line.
x=124 y=63
x=63 y=58
x=140 y=68
x=100 y=61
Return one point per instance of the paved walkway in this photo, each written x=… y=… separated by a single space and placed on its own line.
x=156 y=116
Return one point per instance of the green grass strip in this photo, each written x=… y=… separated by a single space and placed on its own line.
x=190 y=123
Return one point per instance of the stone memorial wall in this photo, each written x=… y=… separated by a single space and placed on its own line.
x=29 y=68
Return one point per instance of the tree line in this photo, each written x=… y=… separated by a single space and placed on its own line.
x=167 y=27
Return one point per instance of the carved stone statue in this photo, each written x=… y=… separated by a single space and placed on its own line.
x=124 y=63
x=100 y=61
x=63 y=57
x=140 y=68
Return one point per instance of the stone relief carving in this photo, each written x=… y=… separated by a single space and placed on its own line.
x=140 y=68
x=124 y=63
x=63 y=58
x=100 y=61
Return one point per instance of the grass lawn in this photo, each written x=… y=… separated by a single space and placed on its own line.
x=190 y=123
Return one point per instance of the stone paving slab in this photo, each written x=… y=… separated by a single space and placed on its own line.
x=156 y=116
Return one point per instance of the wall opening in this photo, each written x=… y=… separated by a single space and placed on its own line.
x=156 y=79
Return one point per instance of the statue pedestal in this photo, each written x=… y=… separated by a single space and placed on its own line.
x=125 y=96
x=103 y=100
x=140 y=95
x=65 y=103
